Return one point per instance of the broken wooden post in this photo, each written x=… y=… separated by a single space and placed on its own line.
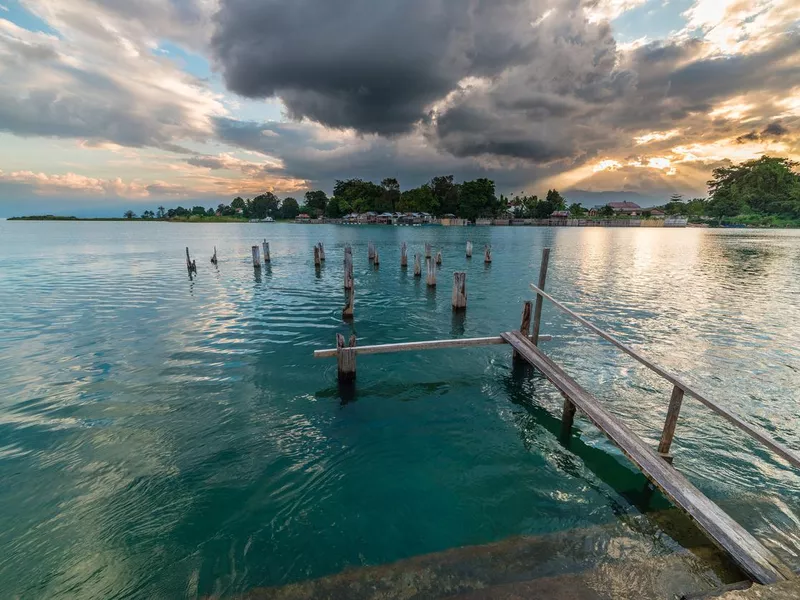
x=427 y=250
x=487 y=254
x=214 y=257
x=439 y=257
x=469 y=249
x=375 y=258
x=191 y=265
x=537 y=313
x=417 y=266
x=349 y=300
x=346 y=359
x=459 y=299
x=265 y=246
x=370 y=251
x=321 y=252
x=316 y=256
x=403 y=256
x=256 y=257
x=669 y=425
x=348 y=267
x=431 y=268
x=525 y=324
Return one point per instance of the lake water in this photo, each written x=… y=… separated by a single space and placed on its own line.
x=164 y=437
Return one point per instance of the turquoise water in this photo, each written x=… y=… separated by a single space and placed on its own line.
x=168 y=437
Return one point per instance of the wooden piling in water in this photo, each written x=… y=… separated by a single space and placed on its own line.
x=348 y=267
x=191 y=265
x=469 y=249
x=431 y=269
x=459 y=298
x=439 y=257
x=427 y=250
x=537 y=313
x=346 y=359
x=349 y=301
x=668 y=433
x=403 y=256
x=487 y=254
x=256 y=257
x=316 y=256
x=265 y=246
x=370 y=251
x=525 y=323
x=375 y=258
x=321 y=252
x=417 y=266
x=214 y=257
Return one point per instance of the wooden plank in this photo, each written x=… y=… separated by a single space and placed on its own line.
x=749 y=554
x=429 y=345
x=673 y=412
x=755 y=432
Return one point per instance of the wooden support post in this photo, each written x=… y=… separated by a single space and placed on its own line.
x=214 y=257
x=346 y=359
x=525 y=324
x=256 y=257
x=487 y=254
x=347 y=311
x=191 y=265
x=431 y=268
x=265 y=246
x=669 y=425
x=537 y=313
x=316 y=256
x=370 y=251
x=403 y=256
x=321 y=252
x=427 y=250
x=439 y=257
x=469 y=249
x=459 y=298
x=567 y=418
x=375 y=258
x=348 y=267
x=417 y=266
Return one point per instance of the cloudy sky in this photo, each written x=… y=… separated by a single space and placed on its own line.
x=111 y=104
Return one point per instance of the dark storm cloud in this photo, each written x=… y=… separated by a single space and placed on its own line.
x=372 y=66
x=775 y=130
x=771 y=131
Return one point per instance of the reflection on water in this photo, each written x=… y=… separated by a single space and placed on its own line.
x=162 y=437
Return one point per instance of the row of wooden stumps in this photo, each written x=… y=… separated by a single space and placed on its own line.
x=257 y=254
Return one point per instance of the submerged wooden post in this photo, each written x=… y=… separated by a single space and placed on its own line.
x=469 y=249
x=487 y=254
x=525 y=324
x=439 y=257
x=567 y=418
x=316 y=256
x=348 y=267
x=214 y=257
x=265 y=246
x=375 y=258
x=459 y=299
x=256 y=257
x=346 y=359
x=403 y=256
x=537 y=313
x=431 y=268
x=370 y=251
x=669 y=425
x=427 y=250
x=349 y=296
x=417 y=266
x=191 y=265
x=321 y=252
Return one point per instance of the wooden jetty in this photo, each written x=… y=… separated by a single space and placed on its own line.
x=750 y=555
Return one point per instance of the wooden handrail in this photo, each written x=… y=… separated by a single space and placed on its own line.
x=755 y=432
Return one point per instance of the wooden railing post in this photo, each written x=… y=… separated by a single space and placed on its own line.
x=525 y=324
x=668 y=432
x=537 y=313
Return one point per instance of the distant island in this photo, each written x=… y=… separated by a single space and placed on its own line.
x=763 y=192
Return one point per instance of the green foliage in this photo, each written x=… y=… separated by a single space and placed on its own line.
x=238 y=203
x=199 y=211
x=606 y=211
x=289 y=208
x=315 y=204
x=419 y=199
x=477 y=199
x=576 y=209
x=129 y=214
x=446 y=193
x=359 y=195
x=767 y=185
x=262 y=206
